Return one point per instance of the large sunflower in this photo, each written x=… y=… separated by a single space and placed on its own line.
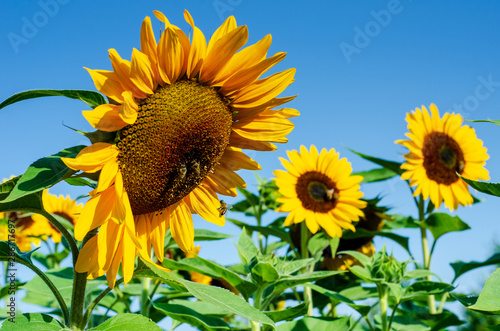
x=439 y=149
x=182 y=110
x=319 y=189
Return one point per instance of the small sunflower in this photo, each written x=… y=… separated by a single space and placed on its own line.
x=182 y=111
x=31 y=228
x=439 y=149
x=319 y=189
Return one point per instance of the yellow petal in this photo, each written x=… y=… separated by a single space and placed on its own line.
x=181 y=227
x=92 y=158
x=105 y=118
x=204 y=202
x=107 y=83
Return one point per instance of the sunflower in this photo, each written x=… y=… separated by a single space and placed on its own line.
x=31 y=228
x=439 y=149
x=182 y=111
x=319 y=189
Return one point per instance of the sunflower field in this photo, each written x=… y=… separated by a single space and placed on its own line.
x=195 y=190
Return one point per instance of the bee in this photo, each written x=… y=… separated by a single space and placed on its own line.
x=195 y=166
x=331 y=195
x=182 y=172
x=223 y=208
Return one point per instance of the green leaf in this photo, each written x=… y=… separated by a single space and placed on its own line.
x=484 y=187
x=207 y=235
x=417 y=273
x=80 y=181
x=191 y=265
x=359 y=292
x=186 y=314
x=396 y=290
x=127 y=322
x=338 y=298
x=489 y=299
x=441 y=321
x=441 y=223
x=43 y=174
x=264 y=273
x=288 y=313
x=390 y=165
x=7 y=186
x=217 y=296
x=462 y=267
x=316 y=323
x=362 y=273
x=9 y=251
x=32 y=202
x=246 y=248
x=245 y=287
x=290 y=267
x=269 y=230
x=375 y=175
x=466 y=300
x=91 y=98
x=405 y=323
x=425 y=287
x=32 y=322
x=318 y=243
x=290 y=281
x=62 y=278
x=497 y=122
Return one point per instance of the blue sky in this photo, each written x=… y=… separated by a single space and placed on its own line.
x=361 y=66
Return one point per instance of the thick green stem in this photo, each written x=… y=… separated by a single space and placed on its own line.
x=146 y=282
x=257 y=304
x=425 y=249
x=383 y=296
x=77 y=321
x=69 y=238
x=304 y=240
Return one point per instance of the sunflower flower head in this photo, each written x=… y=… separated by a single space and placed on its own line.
x=182 y=111
x=319 y=188
x=32 y=228
x=439 y=148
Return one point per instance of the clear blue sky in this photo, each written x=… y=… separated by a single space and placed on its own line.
x=360 y=67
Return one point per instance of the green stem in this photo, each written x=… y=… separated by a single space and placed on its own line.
x=425 y=249
x=77 y=321
x=94 y=303
x=258 y=298
x=383 y=296
x=152 y=293
x=392 y=315
x=304 y=240
x=443 y=300
x=146 y=282
x=52 y=287
x=69 y=238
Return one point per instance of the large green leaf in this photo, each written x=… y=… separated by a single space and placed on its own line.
x=405 y=323
x=191 y=265
x=338 y=298
x=485 y=187
x=264 y=273
x=186 y=314
x=245 y=287
x=441 y=223
x=32 y=322
x=91 y=98
x=288 y=313
x=390 y=165
x=217 y=296
x=375 y=175
x=316 y=324
x=462 y=267
x=489 y=299
x=127 y=322
x=43 y=174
